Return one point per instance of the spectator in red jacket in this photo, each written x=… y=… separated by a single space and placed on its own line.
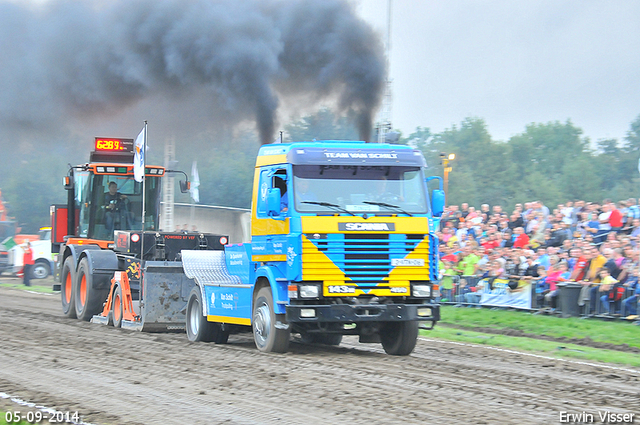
x=521 y=239
x=491 y=242
x=615 y=219
x=28 y=265
x=581 y=265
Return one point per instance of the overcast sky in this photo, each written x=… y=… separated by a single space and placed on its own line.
x=513 y=63
x=509 y=62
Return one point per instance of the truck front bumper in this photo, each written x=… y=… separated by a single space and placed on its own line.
x=346 y=313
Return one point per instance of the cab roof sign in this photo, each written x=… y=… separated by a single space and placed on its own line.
x=359 y=156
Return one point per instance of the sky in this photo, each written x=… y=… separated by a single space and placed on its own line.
x=512 y=63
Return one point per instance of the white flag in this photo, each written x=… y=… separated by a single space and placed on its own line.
x=138 y=159
x=195 y=182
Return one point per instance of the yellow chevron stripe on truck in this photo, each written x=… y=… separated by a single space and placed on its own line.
x=413 y=272
x=317 y=266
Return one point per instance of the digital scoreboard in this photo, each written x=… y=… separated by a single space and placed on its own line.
x=111 y=144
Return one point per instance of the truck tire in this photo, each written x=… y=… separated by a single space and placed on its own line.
x=399 y=338
x=117 y=308
x=40 y=270
x=270 y=330
x=89 y=301
x=67 y=288
x=198 y=327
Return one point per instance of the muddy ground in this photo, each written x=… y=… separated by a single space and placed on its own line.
x=114 y=376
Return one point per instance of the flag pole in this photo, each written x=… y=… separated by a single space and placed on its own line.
x=192 y=215
x=144 y=192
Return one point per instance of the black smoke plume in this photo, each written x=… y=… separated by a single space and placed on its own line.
x=64 y=60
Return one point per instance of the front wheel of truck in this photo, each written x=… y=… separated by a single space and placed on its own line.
x=270 y=330
x=399 y=338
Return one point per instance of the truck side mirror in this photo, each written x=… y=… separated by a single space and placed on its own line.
x=67 y=181
x=437 y=203
x=185 y=186
x=273 y=202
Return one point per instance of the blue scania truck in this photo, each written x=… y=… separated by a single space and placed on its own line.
x=343 y=243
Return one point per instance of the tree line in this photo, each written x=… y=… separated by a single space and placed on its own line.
x=552 y=162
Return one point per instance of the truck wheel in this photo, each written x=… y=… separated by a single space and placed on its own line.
x=270 y=330
x=198 y=327
x=117 y=307
x=399 y=338
x=89 y=301
x=40 y=270
x=67 y=289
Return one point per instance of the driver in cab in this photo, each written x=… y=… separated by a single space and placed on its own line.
x=112 y=198
x=114 y=204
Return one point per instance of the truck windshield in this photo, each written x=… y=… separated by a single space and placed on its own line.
x=117 y=202
x=359 y=188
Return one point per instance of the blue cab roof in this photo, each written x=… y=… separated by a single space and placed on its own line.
x=341 y=152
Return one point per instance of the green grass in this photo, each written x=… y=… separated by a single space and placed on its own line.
x=461 y=325
x=613 y=332
x=536 y=346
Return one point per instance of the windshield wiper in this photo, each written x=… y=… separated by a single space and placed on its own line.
x=328 y=204
x=384 y=204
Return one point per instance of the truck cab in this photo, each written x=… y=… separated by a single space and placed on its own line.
x=98 y=212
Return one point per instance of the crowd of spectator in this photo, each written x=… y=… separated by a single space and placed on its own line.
x=594 y=244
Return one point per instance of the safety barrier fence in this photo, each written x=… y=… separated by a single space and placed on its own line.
x=569 y=299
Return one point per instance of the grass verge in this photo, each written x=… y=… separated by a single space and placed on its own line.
x=575 y=337
x=45 y=288
x=611 y=332
x=536 y=346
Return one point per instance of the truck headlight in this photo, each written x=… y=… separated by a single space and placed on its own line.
x=421 y=291
x=309 y=291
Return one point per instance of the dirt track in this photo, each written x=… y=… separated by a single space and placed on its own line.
x=113 y=376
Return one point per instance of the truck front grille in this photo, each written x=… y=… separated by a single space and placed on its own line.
x=365 y=259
